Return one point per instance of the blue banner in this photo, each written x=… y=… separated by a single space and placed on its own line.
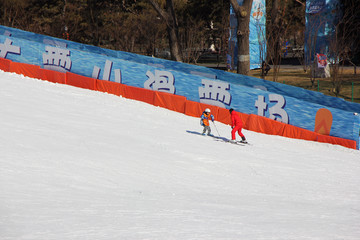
x=320 y=21
x=284 y=103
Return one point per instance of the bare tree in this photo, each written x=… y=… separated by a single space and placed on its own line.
x=12 y=12
x=168 y=15
x=342 y=41
x=194 y=40
x=243 y=19
x=311 y=37
x=278 y=26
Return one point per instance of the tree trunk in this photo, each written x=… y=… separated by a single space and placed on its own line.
x=172 y=27
x=243 y=19
x=243 y=64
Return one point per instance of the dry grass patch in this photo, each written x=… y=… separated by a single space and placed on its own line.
x=297 y=77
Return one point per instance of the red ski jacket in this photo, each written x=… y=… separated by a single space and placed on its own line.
x=235 y=120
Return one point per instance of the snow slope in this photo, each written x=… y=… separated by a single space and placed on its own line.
x=79 y=164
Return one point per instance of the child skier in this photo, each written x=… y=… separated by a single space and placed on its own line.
x=236 y=125
x=205 y=117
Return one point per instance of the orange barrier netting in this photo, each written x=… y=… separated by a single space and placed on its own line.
x=195 y=109
x=192 y=109
x=5 y=64
x=140 y=94
x=173 y=102
x=170 y=101
x=80 y=81
x=224 y=116
x=338 y=141
x=51 y=76
x=299 y=133
x=25 y=69
x=110 y=87
x=264 y=125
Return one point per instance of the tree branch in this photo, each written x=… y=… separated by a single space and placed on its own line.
x=300 y=2
x=159 y=10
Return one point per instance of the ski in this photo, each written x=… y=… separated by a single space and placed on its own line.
x=238 y=143
x=244 y=143
x=222 y=139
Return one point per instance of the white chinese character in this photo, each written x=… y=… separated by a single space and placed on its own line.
x=215 y=93
x=7 y=47
x=261 y=105
x=107 y=72
x=276 y=112
x=162 y=81
x=57 y=59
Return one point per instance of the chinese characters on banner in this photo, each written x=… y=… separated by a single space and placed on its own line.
x=7 y=47
x=162 y=81
x=215 y=93
x=57 y=59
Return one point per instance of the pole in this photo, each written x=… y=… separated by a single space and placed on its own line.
x=216 y=129
x=352 y=91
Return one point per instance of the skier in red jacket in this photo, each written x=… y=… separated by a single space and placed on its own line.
x=236 y=125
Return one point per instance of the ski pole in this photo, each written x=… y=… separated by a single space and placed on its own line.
x=216 y=129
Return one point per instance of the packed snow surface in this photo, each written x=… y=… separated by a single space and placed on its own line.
x=83 y=165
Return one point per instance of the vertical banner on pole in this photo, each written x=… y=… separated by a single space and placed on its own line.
x=320 y=17
x=257 y=37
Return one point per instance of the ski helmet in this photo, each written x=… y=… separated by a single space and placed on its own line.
x=207 y=110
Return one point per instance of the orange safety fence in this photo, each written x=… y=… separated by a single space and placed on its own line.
x=195 y=109
x=173 y=102
x=115 y=88
x=192 y=109
x=223 y=116
x=139 y=94
x=80 y=81
x=5 y=64
x=244 y=117
x=264 y=125
x=299 y=133
x=338 y=141
x=25 y=69
x=51 y=76
x=170 y=101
